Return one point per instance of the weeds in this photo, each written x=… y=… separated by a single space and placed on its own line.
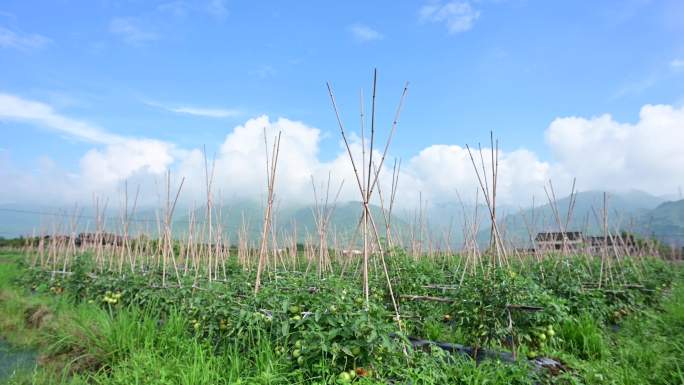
x=301 y=329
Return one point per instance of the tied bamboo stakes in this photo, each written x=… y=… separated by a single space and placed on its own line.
x=271 y=166
x=496 y=241
x=366 y=184
x=204 y=250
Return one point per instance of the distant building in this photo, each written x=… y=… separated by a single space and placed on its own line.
x=571 y=240
x=624 y=241
x=577 y=241
x=101 y=238
x=352 y=252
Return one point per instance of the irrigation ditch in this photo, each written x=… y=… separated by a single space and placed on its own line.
x=14 y=359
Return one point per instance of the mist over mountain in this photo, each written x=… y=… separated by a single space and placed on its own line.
x=299 y=221
x=665 y=222
x=231 y=218
x=625 y=211
x=633 y=211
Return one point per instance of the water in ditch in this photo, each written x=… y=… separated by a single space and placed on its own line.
x=15 y=360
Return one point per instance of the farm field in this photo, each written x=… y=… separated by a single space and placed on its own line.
x=469 y=192
x=106 y=327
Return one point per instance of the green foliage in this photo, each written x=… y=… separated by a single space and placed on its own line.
x=583 y=337
x=119 y=328
x=437 y=367
x=486 y=310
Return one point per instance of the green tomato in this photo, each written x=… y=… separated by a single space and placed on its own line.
x=359 y=300
x=344 y=378
x=296 y=353
x=352 y=373
x=356 y=350
x=298 y=344
x=300 y=360
x=542 y=336
x=294 y=309
x=551 y=332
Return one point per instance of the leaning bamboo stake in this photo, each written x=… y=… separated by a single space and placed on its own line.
x=322 y=213
x=366 y=189
x=387 y=212
x=125 y=224
x=495 y=169
x=71 y=248
x=605 y=237
x=209 y=179
x=484 y=186
x=271 y=173
x=167 y=251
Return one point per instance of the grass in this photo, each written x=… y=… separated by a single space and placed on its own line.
x=85 y=343
x=583 y=337
x=88 y=344
x=647 y=348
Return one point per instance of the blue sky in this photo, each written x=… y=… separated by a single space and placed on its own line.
x=188 y=72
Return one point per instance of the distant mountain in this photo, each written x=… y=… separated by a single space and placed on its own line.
x=631 y=211
x=290 y=220
x=22 y=219
x=665 y=223
x=16 y=219
x=625 y=211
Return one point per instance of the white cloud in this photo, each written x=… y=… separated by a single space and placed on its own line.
x=16 y=108
x=263 y=71
x=21 y=41
x=639 y=85
x=677 y=64
x=241 y=161
x=606 y=154
x=364 y=33
x=601 y=152
x=131 y=31
x=109 y=166
x=176 y=7
x=29 y=186
x=636 y=87
x=182 y=8
x=458 y=16
x=207 y=112
x=102 y=168
x=217 y=8
x=442 y=171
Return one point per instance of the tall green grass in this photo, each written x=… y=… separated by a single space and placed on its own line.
x=583 y=337
x=647 y=348
x=87 y=344
x=91 y=345
x=136 y=346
